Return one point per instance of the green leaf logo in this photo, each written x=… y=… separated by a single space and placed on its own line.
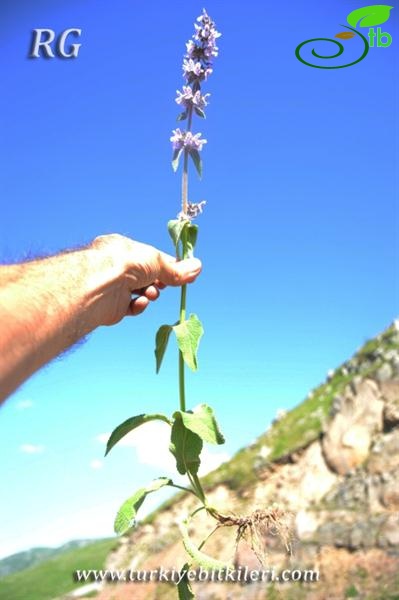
x=368 y=16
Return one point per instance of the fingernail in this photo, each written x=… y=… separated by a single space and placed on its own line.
x=193 y=264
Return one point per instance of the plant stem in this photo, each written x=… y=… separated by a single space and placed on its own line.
x=181 y=487
x=182 y=317
x=183 y=295
x=198 y=486
x=202 y=544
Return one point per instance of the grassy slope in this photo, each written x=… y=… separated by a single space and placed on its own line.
x=53 y=577
x=34 y=556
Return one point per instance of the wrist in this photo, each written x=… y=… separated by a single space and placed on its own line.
x=106 y=278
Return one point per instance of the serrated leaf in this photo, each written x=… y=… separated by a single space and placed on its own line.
x=368 y=16
x=182 y=116
x=130 y=424
x=188 y=334
x=175 y=159
x=127 y=513
x=199 y=112
x=202 y=421
x=184 y=588
x=161 y=342
x=195 y=155
x=186 y=447
x=345 y=35
x=205 y=561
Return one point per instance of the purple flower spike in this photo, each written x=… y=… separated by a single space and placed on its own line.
x=197 y=67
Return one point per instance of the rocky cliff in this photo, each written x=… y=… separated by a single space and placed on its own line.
x=332 y=464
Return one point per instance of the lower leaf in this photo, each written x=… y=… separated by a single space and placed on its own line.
x=126 y=515
x=184 y=587
x=186 y=447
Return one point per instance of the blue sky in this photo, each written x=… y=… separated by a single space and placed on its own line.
x=299 y=239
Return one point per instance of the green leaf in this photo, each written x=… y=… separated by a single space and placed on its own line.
x=126 y=515
x=188 y=336
x=191 y=239
x=368 y=16
x=130 y=424
x=199 y=557
x=202 y=422
x=186 y=447
x=182 y=116
x=176 y=158
x=175 y=229
x=195 y=155
x=161 y=342
x=200 y=112
x=184 y=587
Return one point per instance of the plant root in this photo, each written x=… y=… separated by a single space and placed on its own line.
x=255 y=528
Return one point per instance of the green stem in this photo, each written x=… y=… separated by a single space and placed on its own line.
x=183 y=296
x=182 y=317
x=197 y=510
x=202 y=544
x=198 y=487
x=181 y=487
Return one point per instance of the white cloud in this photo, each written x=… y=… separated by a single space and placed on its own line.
x=31 y=449
x=24 y=404
x=96 y=464
x=151 y=443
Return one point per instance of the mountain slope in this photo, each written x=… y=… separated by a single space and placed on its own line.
x=333 y=463
x=33 y=556
x=53 y=577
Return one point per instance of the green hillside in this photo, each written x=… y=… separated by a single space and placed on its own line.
x=53 y=577
x=34 y=556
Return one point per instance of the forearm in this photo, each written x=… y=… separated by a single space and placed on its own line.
x=46 y=306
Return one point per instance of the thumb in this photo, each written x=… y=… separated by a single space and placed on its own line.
x=172 y=272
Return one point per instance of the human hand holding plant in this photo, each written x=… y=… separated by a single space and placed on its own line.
x=138 y=269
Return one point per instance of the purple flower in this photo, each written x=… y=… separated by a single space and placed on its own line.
x=193 y=210
x=194 y=71
x=199 y=100
x=193 y=142
x=207 y=34
x=201 y=50
x=186 y=98
x=186 y=139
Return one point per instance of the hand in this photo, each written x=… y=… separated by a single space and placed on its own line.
x=139 y=270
